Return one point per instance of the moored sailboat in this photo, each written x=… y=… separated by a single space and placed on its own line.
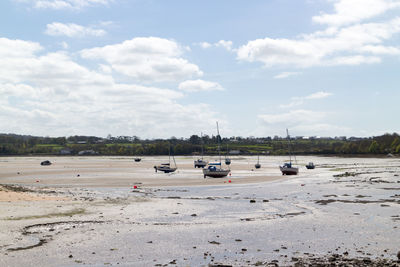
x=166 y=167
x=227 y=159
x=215 y=170
x=201 y=163
x=258 y=165
x=288 y=168
x=310 y=166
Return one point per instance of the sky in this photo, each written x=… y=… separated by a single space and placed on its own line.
x=157 y=69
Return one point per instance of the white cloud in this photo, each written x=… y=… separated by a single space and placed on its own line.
x=380 y=50
x=17 y=48
x=199 y=86
x=321 y=129
x=225 y=44
x=284 y=75
x=146 y=59
x=221 y=43
x=22 y=64
x=64 y=4
x=205 y=45
x=351 y=45
x=318 y=95
x=300 y=122
x=64 y=45
x=105 y=68
x=354 y=60
x=51 y=94
x=296 y=101
x=293 y=118
x=354 y=11
x=72 y=30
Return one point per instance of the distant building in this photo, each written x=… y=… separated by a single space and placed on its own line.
x=353 y=138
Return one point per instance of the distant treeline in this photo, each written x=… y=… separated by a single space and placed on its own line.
x=12 y=144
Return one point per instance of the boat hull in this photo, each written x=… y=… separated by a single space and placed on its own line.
x=310 y=165
x=165 y=169
x=218 y=173
x=45 y=163
x=289 y=171
x=200 y=164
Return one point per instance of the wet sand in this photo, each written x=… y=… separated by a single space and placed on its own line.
x=85 y=211
x=123 y=172
x=8 y=195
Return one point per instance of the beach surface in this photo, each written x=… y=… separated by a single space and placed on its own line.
x=101 y=211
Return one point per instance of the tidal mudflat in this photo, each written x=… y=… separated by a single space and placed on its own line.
x=101 y=211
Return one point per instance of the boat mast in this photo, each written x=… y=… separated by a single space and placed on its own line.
x=173 y=157
x=290 y=153
x=169 y=154
x=219 y=151
x=202 y=145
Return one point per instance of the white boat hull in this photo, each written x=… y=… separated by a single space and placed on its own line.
x=217 y=173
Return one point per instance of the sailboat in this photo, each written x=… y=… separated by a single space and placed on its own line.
x=227 y=160
x=288 y=168
x=201 y=163
x=310 y=166
x=214 y=170
x=166 y=167
x=258 y=165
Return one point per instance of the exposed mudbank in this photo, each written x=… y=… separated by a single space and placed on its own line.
x=288 y=222
x=338 y=260
x=49 y=215
x=41 y=242
x=327 y=201
x=43 y=229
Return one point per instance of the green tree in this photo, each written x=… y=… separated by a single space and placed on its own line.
x=395 y=144
x=374 y=147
